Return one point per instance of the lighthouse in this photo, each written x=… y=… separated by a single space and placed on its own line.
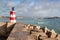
x=12 y=15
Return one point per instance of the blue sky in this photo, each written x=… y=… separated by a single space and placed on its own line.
x=33 y=8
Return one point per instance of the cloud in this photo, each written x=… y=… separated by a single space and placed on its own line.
x=11 y=4
x=41 y=10
x=38 y=8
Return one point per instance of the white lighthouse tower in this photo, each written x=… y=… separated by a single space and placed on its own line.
x=12 y=16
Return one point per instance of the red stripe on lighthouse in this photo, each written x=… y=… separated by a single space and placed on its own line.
x=12 y=18
x=12 y=12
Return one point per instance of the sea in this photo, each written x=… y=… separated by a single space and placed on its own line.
x=49 y=23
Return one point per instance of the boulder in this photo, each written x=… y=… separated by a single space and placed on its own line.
x=27 y=26
x=48 y=33
x=45 y=29
x=58 y=37
x=37 y=27
x=53 y=34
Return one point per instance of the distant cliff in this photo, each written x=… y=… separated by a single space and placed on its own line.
x=4 y=17
x=9 y=17
x=52 y=18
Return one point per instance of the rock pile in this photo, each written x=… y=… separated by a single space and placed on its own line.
x=42 y=33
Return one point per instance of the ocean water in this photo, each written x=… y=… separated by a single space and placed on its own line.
x=49 y=23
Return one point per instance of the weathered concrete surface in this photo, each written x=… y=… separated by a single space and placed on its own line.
x=19 y=33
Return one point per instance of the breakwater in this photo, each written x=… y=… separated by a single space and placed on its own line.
x=32 y=32
x=21 y=31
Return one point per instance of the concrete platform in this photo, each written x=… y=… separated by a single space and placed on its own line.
x=19 y=33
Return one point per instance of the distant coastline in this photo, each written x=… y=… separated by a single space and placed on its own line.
x=31 y=17
x=52 y=18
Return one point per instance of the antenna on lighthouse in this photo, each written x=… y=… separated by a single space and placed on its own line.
x=12 y=16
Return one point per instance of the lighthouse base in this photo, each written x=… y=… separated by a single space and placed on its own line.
x=14 y=21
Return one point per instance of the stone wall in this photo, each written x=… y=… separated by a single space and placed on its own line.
x=5 y=29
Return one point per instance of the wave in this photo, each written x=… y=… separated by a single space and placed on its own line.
x=43 y=22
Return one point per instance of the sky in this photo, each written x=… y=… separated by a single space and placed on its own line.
x=31 y=8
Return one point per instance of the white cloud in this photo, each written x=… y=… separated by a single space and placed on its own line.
x=35 y=8
x=11 y=4
x=44 y=9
